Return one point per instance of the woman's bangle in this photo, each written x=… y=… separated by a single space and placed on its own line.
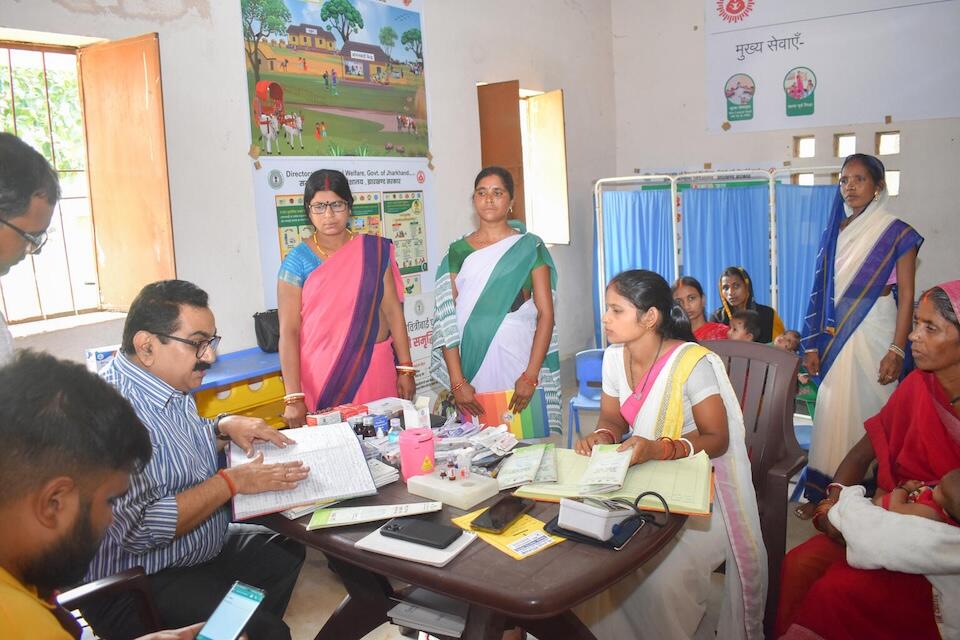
x=526 y=378
x=290 y=401
x=404 y=364
x=613 y=438
x=233 y=488
x=689 y=447
x=406 y=372
x=458 y=386
x=897 y=350
x=295 y=396
x=404 y=368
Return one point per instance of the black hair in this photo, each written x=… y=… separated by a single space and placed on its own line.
x=735 y=272
x=157 y=309
x=57 y=418
x=943 y=305
x=326 y=180
x=751 y=322
x=873 y=164
x=501 y=173
x=687 y=281
x=24 y=173
x=645 y=289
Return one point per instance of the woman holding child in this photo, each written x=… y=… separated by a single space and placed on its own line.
x=854 y=325
x=667 y=397
x=340 y=302
x=494 y=324
x=915 y=437
x=736 y=294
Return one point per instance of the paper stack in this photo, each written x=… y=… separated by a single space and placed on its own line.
x=431 y=612
x=536 y=463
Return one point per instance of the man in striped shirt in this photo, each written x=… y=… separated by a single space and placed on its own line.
x=175 y=521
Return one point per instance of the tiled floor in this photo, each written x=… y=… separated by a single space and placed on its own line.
x=319 y=591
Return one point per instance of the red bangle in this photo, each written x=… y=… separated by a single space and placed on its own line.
x=458 y=386
x=233 y=488
x=404 y=364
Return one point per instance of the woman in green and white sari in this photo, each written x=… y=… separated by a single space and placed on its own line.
x=495 y=296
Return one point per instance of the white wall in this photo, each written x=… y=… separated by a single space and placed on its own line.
x=206 y=116
x=545 y=44
x=659 y=81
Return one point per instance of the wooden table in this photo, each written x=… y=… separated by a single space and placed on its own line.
x=536 y=593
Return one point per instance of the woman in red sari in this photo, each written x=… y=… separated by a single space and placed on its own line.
x=688 y=293
x=916 y=436
x=343 y=337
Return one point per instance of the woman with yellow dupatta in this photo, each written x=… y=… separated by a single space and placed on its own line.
x=666 y=397
x=343 y=337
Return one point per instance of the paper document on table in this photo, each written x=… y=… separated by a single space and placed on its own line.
x=548 y=465
x=606 y=470
x=521 y=467
x=521 y=539
x=338 y=469
x=324 y=518
x=686 y=484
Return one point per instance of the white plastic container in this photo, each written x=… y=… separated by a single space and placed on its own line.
x=590 y=518
x=462 y=493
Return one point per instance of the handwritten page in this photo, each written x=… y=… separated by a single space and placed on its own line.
x=548 y=465
x=338 y=470
x=686 y=484
x=521 y=467
x=606 y=470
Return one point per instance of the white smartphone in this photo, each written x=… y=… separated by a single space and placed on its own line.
x=233 y=613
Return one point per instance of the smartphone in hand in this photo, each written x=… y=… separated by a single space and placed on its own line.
x=502 y=514
x=431 y=534
x=233 y=613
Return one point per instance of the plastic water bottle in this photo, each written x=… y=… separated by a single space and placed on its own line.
x=393 y=435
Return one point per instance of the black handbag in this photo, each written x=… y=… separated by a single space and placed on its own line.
x=267 y=326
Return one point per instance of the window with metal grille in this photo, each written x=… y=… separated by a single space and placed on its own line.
x=40 y=103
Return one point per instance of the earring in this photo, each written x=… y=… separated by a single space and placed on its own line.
x=510 y=210
x=876 y=196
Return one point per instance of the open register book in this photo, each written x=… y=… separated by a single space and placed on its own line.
x=685 y=484
x=338 y=470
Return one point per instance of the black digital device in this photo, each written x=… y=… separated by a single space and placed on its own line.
x=502 y=514
x=431 y=534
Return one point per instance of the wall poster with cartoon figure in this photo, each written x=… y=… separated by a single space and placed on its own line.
x=335 y=77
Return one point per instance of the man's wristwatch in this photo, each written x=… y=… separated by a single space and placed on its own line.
x=216 y=427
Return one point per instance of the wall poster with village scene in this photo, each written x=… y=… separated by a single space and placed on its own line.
x=335 y=77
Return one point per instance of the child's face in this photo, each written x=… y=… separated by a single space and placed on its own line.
x=947 y=493
x=787 y=342
x=738 y=331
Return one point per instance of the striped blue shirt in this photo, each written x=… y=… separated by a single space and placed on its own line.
x=184 y=455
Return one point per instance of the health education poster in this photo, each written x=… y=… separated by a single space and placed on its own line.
x=340 y=84
x=783 y=65
x=335 y=77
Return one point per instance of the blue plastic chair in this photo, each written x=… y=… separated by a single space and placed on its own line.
x=589 y=366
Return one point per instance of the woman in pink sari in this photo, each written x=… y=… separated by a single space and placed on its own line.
x=343 y=337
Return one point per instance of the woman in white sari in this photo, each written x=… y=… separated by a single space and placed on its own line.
x=493 y=325
x=855 y=334
x=667 y=397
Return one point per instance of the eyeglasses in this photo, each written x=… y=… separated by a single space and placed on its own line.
x=483 y=194
x=336 y=206
x=200 y=345
x=36 y=241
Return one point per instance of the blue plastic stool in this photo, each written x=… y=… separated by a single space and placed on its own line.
x=589 y=367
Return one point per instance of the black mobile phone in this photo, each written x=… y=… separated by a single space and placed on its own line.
x=502 y=514
x=431 y=534
x=232 y=614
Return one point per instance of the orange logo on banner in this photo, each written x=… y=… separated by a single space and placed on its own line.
x=734 y=10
